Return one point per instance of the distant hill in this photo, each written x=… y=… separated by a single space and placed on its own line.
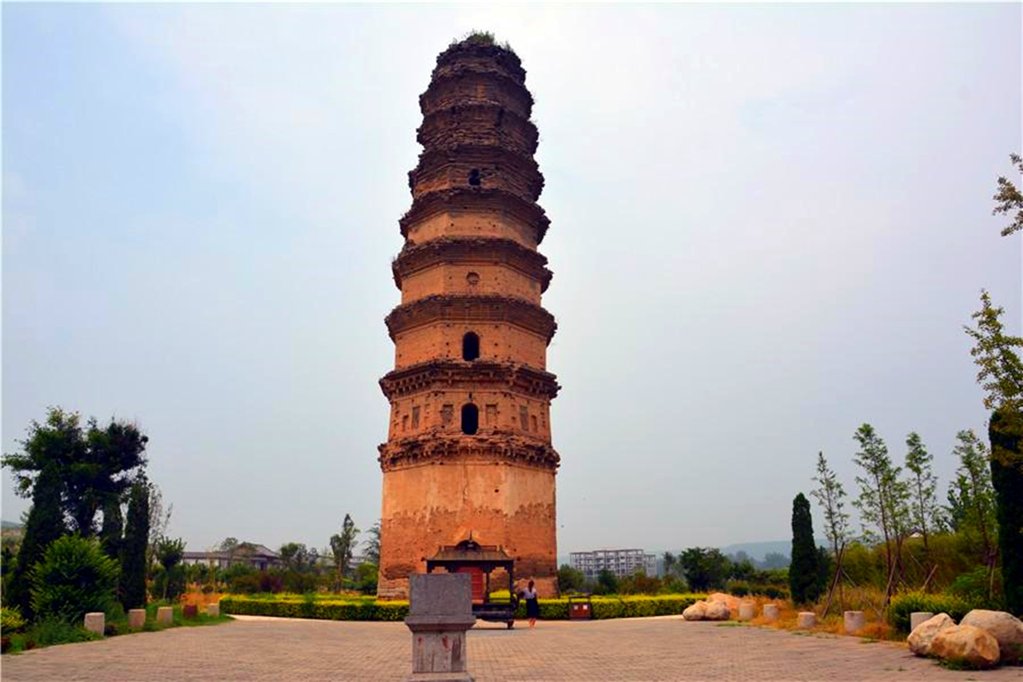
x=758 y=550
x=9 y=525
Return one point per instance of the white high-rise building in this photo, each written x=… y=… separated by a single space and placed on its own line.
x=621 y=562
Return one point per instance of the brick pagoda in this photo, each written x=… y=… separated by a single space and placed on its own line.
x=468 y=452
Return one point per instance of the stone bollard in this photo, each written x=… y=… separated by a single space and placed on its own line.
x=806 y=620
x=747 y=610
x=165 y=615
x=918 y=617
x=854 y=621
x=213 y=610
x=771 y=612
x=190 y=611
x=440 y=611
x=136 y=619
x=95 y=622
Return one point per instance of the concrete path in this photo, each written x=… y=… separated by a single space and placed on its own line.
x=665 y=648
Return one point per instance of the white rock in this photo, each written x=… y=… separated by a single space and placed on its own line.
x=771 y=612
x=695 y=612
x=966 y=644
x=1005 y=627
x=923 y=634
x=717 y=610
x=213 y=610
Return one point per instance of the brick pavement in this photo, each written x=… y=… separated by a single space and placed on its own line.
x=663 y=648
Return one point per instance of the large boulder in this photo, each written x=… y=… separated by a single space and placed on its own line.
x=966 y=645
x=1005 y=627
x=695 y=612
x=923 y=634
x=717 y=610
x=728 y=600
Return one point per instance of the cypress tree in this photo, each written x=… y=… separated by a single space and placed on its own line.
x=113 y=526
x=804 y=571
x=1007 y=480
x=132 y=587
x=44 y=525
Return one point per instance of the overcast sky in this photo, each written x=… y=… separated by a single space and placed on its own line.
x=768 y=226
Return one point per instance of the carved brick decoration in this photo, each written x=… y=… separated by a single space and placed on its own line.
x=468 y=450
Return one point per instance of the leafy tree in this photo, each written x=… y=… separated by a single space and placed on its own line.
x=704 y=568
x=372 y=544
x=75 y=577
x=882 y=501
x=804 y=570
x=925 y=512
x=132 y=587
x=159 y=520
x=570 y=579
x=341 y=546
x=169 y=554
x=93 y=466
x=295 y=557
x=774 y=560
x=113 y=528
x=366 y=577
x=1010 y=199
x=997 y=355
x=607 y=582
x=44 y=525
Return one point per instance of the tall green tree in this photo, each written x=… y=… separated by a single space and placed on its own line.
x=925 y=513
x=804 y=571
x=112 y=530
x=45 y=524
x=1000 y=373
x=342 y=545
x=883 y=501
x=134 y=548
x=830 y=495
x=93 y=465
x=169 y=554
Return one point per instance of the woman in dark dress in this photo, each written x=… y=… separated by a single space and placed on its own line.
x=532 y=605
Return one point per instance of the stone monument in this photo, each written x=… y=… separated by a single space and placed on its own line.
x=440 y=611
x=469 y=452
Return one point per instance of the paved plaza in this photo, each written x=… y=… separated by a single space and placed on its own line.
x=665 y=648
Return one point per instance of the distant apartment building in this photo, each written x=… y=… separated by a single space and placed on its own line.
x=621 y=562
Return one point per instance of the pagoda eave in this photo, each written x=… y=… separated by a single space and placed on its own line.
x=471 y=308
x=414 y=258
x=460 y=374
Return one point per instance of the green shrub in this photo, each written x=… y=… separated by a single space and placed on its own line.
x=74 y=578
x=740 y=588
x=972 y=588
x=11 y=620
x=905 y=604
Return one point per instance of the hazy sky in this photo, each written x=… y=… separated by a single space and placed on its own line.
x=769 y=224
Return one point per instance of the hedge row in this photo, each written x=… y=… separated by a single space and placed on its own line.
x=905 y=604
x=550 y=609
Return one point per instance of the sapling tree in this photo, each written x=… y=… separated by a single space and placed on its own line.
x=882 y=502
x=925 y=514
x=1009 y=199
x=830 y=495
x=973 y=498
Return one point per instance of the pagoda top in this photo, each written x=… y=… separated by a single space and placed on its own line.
x=479 y=48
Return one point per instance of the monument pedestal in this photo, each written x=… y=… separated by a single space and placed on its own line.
x=440 y=612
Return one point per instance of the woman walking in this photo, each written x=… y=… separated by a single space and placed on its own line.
x=532 y=604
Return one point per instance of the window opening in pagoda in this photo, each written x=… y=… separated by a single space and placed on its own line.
x=470 y=419
x=474 y=177
x=470 y=346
